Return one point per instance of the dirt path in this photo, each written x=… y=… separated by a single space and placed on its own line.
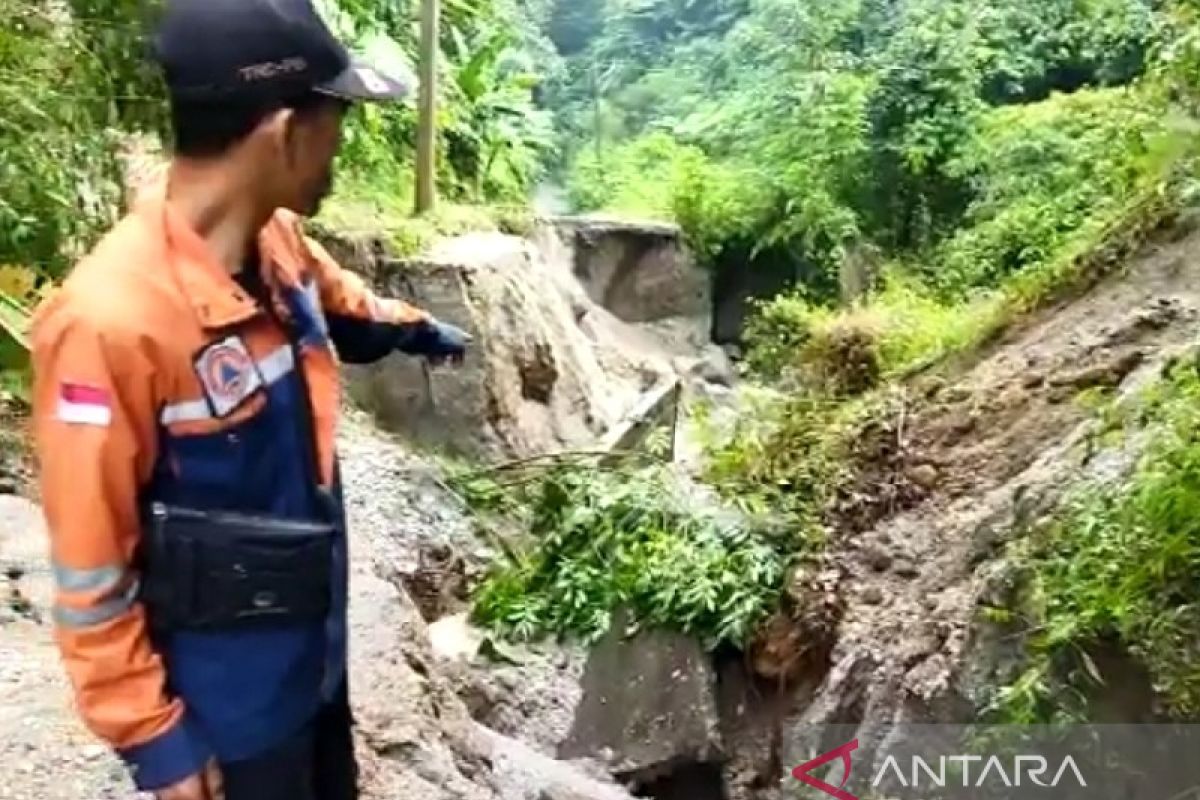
x=45 y=752
x=416 y=739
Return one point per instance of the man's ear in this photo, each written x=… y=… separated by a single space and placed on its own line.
x=279 y=128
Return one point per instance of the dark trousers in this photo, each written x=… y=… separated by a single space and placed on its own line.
x=316 y=764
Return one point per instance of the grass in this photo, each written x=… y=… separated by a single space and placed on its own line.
x=360 y=207
x=906 y=326
x=1118 y=565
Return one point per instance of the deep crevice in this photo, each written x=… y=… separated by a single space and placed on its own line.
x=696 y=780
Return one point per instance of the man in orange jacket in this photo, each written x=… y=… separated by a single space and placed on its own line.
x=185 y=403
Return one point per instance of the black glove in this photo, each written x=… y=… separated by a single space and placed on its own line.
x=437 y=341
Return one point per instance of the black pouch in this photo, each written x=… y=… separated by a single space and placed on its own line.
x=206 y=570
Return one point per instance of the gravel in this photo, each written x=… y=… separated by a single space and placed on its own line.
x=532 y=700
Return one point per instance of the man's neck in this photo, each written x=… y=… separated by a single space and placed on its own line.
x=219 y=206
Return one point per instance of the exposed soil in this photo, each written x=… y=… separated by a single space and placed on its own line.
x=942 y=440
x=959 y=467
x=880 y=629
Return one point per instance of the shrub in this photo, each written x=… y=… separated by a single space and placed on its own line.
x=847 y=352
x=630 y=538
x=1120 y=564
x=1040 y=173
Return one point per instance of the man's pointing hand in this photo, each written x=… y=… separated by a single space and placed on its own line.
x=451 y=344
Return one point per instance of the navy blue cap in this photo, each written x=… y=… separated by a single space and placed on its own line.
x=259 y=50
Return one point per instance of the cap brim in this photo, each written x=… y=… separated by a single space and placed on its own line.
x=363 y=82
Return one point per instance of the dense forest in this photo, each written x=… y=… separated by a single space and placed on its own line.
x=912 y=175
x=943 y=147
x=953 y=144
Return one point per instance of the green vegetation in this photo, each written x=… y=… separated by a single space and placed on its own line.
x=967 y=146
x=628 y=536
x=919 y=314
x=965 y=161
x=364 y=210
x=978 y=162
x=1118 y=567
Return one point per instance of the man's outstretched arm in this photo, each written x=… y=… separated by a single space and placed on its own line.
x=93 y=414
x=366 y=327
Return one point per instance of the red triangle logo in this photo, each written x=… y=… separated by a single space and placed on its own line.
x=802 y=772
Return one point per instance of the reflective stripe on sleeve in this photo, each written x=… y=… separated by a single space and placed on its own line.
x=97 y=614
x=102 y=580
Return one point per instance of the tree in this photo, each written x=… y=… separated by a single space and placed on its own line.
x=426 y=196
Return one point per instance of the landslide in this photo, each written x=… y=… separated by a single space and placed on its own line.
x=961 y=462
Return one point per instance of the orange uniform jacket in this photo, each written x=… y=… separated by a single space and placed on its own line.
x=158 y=377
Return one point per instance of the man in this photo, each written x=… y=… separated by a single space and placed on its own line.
x=185 y=402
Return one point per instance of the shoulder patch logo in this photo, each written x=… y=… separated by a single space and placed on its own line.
x=228 y=375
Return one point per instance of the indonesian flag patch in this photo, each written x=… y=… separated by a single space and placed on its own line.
x=81 y=404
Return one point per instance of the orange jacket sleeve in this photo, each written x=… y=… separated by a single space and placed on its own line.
x=94 y=418
x=347 y=294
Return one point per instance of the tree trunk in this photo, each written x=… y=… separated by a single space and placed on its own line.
x=426 y=198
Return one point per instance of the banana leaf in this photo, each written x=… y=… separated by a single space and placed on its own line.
x=14 y=323
x=15 y=375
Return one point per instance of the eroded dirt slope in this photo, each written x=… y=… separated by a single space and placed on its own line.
x=962 y=464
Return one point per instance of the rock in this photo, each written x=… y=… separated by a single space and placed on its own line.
x=522 y=773
x=532 y=697
x=438 y=584
x=750 y=711
x=963 y=424
x=638 y=270
x=878 y=558
x=417 y=739
x=8 y=485
x=455 y=638
x=93 y=751
x=715 y=367
x=872 y=595
x=650 y=699
x=905 y=569
x=1104 y=375
x=548 y=369
x=778 y=648
x=924 y=475
x=658 y=410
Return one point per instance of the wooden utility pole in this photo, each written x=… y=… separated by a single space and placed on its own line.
x=427 y=122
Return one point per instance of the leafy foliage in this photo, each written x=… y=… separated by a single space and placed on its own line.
x=629 y=538
x=1120 y=566
x=819 y=126
x=496 y=136
x=58 y=187
x=1059 y=185
x=906 y=326
x=77 y=73
x=1041 y=172
x=787 y=454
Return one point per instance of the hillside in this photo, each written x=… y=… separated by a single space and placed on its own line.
x=834 y=383
x=983 y=451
